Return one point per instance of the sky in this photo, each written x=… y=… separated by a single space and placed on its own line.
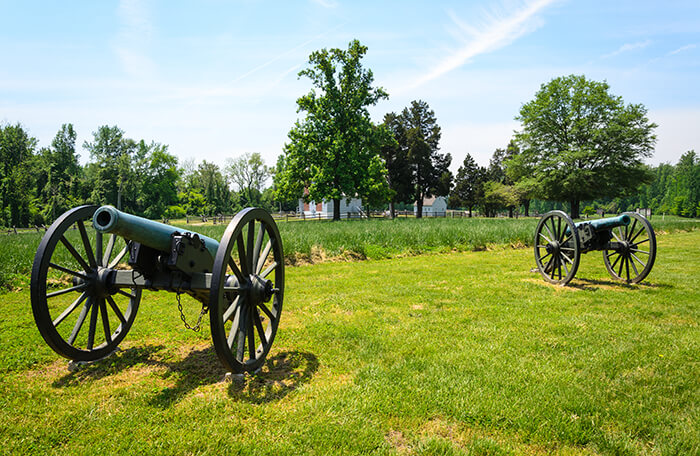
x=215 y=79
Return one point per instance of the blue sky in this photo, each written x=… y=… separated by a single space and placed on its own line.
x=214 y=79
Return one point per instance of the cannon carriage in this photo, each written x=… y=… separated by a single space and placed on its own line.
x=627 y=241
x=93 y=263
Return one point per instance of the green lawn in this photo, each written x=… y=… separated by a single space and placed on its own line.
x=443 y=353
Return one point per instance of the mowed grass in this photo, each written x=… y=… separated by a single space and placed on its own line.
x=437 y=354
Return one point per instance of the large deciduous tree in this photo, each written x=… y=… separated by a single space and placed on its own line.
x=248 y=173
x=16 y=174
x=581 y=142
x=334 y=150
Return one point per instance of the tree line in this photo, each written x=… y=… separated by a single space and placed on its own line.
x=37 y=184
x=579 y=145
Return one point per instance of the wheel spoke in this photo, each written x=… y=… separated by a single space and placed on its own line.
x=566 y=258
x=118 y=258
x=259 y=326
x=86 y=244
x=124 y=293
x=639 y=251
x=232 y=308
x=622 y=264
x=641 y=230
x=258 y=246
x=93 y=324
x=98 y=248
x=566 y=270
x=76 y=255
x=242 y=324
x=634 y=267
x=263 y=256
x=251 y=335
x=249 y=245
x=549 y=231
x=80 y=287
x=233 y=335
x=236 y=271
x=545 y=256
x=242 y=257
x=116 y=310
x=615 y=236
x=68 y=271
x=627 y=268
x=269 y=269
x=547 y=268
x=619 y=255
x=560 y=233
x=267 y=312
x=640 y=261
x=69 y=309
x=108 y=251
x=81 y=319
x=105 y=321
x=630 y=229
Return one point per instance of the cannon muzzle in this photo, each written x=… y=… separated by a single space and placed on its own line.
x=608 y=223
x=108 y=219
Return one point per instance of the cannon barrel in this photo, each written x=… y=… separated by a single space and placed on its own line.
x=108 y=219
x=608 y=223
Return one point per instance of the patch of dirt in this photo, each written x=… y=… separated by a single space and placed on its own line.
x=397 y=440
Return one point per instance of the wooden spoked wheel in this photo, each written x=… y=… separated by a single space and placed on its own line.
x=557 y=247
x=78 y=313
x=633 y=260
x=247 y=290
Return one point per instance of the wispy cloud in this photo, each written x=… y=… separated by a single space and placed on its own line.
x=326 y=3
x=687 y=47
x=497 y=31
x=134 y=34
x=628 y=47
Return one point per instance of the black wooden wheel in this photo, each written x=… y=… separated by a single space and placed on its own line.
x=632 y=261
x=77 y=312
x=247 y=290
x=557 y=247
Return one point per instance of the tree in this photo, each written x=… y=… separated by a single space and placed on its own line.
x=16 y=175
x=212 y=183
x=582 y=143
x=419 y=139
x=248 y=173
x=469 y=184
x=111 y=173
x=60 y=174
x=396 y=160
x=159 y=182
x=334 y=151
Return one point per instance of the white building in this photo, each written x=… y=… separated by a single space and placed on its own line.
x=324 y=209
x=432 y=207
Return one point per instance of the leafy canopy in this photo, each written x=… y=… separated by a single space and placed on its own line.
x=334 y=150
x=579 y=142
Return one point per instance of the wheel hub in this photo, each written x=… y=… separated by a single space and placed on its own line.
x=261 y=290
x=553 y=247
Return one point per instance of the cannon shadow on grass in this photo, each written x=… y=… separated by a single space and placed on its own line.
x=596 y=284
x=282 y=373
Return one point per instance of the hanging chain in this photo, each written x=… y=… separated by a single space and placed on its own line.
x=196 y=327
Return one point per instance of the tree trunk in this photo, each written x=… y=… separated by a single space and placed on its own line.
x=392 y=209
x=419 y=206
x=336 y=209
x=526 y=205
x=510 y=211
x=470 y=212
x=575 y=203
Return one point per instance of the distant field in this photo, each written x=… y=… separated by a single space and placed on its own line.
x=464 y=353
x=318 y=241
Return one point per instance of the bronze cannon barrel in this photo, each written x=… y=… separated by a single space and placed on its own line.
x=108 y=219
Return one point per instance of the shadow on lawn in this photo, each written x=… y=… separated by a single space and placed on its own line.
x=595 y=285
x=280 y=375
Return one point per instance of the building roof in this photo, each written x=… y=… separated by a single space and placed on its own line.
x=428 y=201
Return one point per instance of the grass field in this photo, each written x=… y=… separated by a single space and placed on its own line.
x=436 y=354
x=319 y=241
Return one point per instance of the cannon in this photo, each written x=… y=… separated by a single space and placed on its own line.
x=93 y=264
x=627 y=241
